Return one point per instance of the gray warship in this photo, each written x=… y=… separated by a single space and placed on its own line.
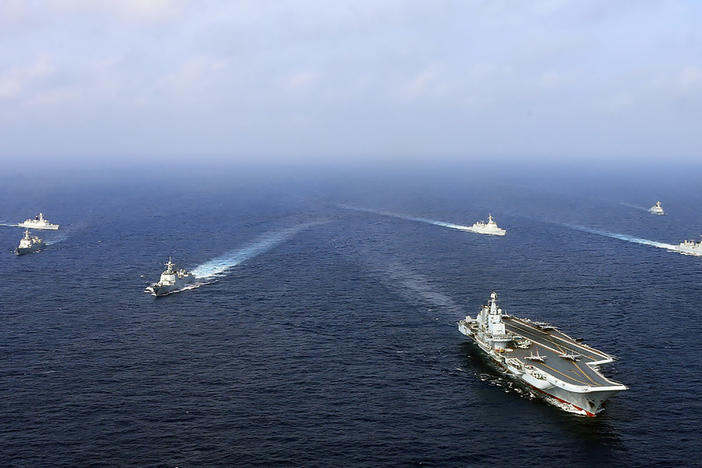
x=690 y=247
x=171 y=280
x=562 y=370
x=29 y=244
x=657 y=209
x=38 y=222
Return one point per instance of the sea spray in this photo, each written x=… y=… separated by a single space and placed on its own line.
x=220 y=265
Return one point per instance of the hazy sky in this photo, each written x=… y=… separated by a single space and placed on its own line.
x=346 y=80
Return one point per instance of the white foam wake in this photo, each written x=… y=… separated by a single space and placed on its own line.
x=220 y=265
x=420 y=287
x=630 y=205
x=409 y=218
x=59 y=238
x=624 y=237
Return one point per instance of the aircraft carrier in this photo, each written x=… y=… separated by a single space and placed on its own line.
x=561 y=369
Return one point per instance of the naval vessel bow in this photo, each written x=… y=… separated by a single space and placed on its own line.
x=657 y=209
x=29 y=244
x=172 y=280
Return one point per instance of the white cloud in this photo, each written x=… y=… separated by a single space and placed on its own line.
x=346 y=67
x=691 y=77
x=52 y=97
x=12 y=10
x=551 y=79
x=134 y=10
x=192 y=75
x=14 y=81
x=302 y=79
x=428 y=82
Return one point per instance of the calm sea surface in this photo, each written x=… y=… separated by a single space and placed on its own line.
x=327 y=336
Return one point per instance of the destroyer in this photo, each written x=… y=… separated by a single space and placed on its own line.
x=689 y=247
x=657 y=209
x=29 y=244
x=39 y=222
x=561 y=369
x=490 y=228
x=171 y=280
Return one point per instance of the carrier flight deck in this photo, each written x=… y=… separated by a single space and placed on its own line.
x=569 y=360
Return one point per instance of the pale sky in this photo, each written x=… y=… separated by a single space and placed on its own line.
x=350 y=79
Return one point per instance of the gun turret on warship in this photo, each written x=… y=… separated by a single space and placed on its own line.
x=657 y=209
x=562 y=370
x=38 y=222
x=171 y=280
x=29 y=244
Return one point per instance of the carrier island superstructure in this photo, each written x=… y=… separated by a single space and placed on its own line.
x=560 y=369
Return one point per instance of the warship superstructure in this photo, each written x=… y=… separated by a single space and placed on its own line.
x=38 y=222
x=689 y=247
x=562 y=370
x=657 y=209
x=490 y=227
x=172 y=279
x=29 y=244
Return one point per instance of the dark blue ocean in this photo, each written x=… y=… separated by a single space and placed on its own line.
x=327 y=336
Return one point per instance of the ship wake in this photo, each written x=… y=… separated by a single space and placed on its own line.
x=412 y=284
x=624 y=237
x=394 y=275
x=219 y=266
x=56 y=239
x=434 y=222
x=631 y=205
